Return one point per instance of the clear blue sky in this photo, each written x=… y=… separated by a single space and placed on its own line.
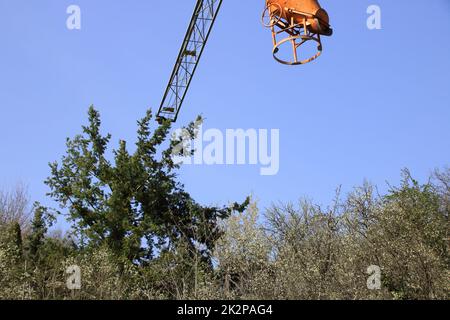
x=375 y=102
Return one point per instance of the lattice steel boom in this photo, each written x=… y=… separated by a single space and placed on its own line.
x=202 y=21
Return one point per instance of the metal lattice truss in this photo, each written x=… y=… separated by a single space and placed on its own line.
x=202 y=21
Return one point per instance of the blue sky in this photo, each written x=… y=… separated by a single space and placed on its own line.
x=375 y=102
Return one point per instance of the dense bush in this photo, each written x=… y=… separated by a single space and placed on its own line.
x=325 y=254
x=138 y=235
x=292 y=252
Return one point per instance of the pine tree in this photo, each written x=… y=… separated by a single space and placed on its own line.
x=39 y=227
x=132 y=202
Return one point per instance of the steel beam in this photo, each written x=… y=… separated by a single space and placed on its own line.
x=194 y=42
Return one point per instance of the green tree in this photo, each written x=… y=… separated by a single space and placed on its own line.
x=42 y=220
x=132 y=202
x=11 y=261
x=411 y=234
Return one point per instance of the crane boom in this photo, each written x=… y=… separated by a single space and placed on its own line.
x=200 y=27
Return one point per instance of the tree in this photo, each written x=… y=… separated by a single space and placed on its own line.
x=242 y=256
x=42 y=220
x=412 y=236
x=133 y=202
x=11 y=261
x=14 y=207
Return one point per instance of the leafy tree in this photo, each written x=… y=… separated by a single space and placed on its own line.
x=133 y=202
x=412 y=239
x=242 y=255
x=11 y=261
x=42 y=220
x=318 y=253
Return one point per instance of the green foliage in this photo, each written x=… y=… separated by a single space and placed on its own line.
x=324 y=254
x=242 y=255
x=132 y=197
x=11 y=261
x=42 y=220
x=299 y=252
x=140 y=235
x=412 y=234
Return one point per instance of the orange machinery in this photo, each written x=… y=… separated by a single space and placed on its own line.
x=296 y=22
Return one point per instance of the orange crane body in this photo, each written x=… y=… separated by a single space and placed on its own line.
x=297 y=11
